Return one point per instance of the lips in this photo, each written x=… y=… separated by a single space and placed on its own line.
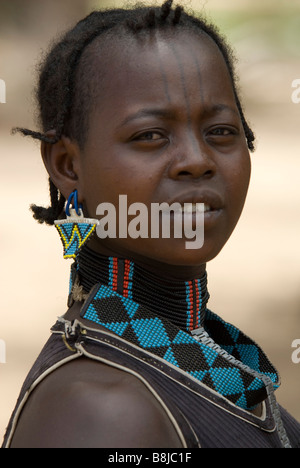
x=192 y=202
x=191 y=208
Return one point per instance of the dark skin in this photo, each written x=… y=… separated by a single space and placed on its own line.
x=176 y=136
x=87 y=404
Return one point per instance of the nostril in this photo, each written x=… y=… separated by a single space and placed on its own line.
x=192 y=165
x=207 y=173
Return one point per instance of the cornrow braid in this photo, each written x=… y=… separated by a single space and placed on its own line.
x=150 y=19
x=166 y=9
x=48 y=215
x=64 y=101
x=177 y=15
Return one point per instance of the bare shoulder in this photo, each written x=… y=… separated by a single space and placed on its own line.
x=89 y=404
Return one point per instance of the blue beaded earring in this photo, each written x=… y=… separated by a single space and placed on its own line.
x=75 y=230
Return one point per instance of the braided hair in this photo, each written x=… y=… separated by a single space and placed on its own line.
x=64 y=102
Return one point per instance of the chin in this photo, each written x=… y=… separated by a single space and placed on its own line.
x=161 y=252
x=176 y=254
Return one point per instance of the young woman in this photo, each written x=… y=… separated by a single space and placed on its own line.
x=143 y=103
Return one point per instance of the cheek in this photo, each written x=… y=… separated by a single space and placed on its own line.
x=245 y=173
x=107 y=178
x=238 y=184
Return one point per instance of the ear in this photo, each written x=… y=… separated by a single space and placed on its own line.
x=61 y=160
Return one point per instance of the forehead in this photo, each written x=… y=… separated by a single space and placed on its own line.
x=160 y=68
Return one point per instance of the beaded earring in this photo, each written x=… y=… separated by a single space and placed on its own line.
x=75 y=230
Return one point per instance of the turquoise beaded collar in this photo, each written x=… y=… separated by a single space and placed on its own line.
x=140 y=308
x=182 y=302
x=208 y=349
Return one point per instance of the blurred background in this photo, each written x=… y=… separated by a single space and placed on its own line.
x=254 y=282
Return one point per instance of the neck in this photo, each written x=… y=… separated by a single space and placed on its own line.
x=182 y=301
x=163 y=270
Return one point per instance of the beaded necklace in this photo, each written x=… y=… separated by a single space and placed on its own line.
x=182 y=302
x=171 y=320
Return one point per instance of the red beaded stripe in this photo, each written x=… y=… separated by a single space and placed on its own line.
x=115 y=274
x=197 y=324
x=191 y=303
x=194 y=304
x=126 y=278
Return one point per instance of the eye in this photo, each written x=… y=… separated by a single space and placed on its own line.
x=223 y=131
x=149 y=140
x=222 y=135
x=149 y=136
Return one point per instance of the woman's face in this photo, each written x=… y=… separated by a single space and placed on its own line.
x=165 y=128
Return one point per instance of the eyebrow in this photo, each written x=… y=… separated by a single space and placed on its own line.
x=218 y=108
x=170 y=114
x=148 y=112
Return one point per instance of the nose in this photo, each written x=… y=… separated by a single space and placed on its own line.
x=191 y=158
